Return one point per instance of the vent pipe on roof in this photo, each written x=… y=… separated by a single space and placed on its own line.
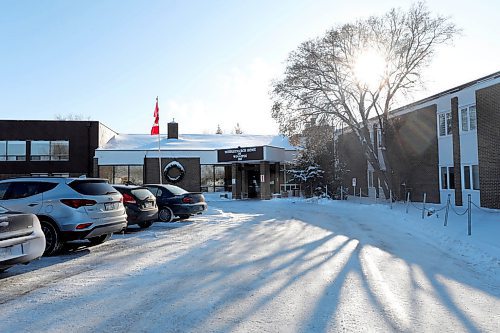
x=173 y=130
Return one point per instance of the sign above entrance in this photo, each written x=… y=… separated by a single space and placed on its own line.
x=240 y=154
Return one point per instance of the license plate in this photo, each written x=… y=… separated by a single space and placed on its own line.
x=148 y=204
x=110 y=205
x=5 y=252
x=11 y=251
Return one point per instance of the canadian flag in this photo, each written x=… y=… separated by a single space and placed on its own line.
x=155 y=130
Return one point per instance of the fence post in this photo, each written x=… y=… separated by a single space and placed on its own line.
x=326 y=190
x=469 y=224
x=407 y=201
x=447 y=210
x=341 y=192
x=390 y=197
x=360 y=192
x=423 y=209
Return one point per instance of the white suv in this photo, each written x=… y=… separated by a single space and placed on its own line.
x=68 y=208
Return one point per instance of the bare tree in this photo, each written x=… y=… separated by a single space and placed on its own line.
x=71 y=116
x=237 y=129
x=335 y=79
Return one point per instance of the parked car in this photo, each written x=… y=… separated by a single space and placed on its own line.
x=175 y=201
x=140 y=205
x=21 y=238
x=68 y=208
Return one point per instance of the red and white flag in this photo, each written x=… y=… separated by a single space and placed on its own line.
x=155 y=130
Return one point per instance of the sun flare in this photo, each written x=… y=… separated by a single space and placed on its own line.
x=369 y=68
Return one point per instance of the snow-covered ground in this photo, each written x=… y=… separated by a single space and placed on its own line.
x=283 y=265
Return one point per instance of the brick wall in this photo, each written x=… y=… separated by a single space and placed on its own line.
x=351 y=153
x=457 y=166
x=192 y=177
x=413 y=155
x=488 y=139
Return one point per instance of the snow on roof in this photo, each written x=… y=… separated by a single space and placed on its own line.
x=195 y=142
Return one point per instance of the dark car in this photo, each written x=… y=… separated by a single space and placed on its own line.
x=175 y=201
x=21 y=238
x=140 y=205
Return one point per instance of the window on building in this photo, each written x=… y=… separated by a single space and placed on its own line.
x=475 y=177
x=471 y=177
x=467 y=177
x=59 y=150
x=122 y=174
x=50 y=150
x=447 y=178
x=472 y=118
x=465 y=119
x=468 y=118
x=3 y=150
x=448 y=123
x=442 y=124
x=444 y=178
x=370 y=178
x=136 y=174
x=212 y=178
x=451 y=178
x=445 y=124
x=12 y=150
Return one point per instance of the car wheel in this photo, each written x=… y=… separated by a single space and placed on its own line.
x=183 y=217
x=165 y=214
x=53 y=242
x=99 y=239
x=145 y=224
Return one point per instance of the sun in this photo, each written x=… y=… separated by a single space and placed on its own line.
x=369 y=68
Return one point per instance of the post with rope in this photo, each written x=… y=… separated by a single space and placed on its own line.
x=469 y=224
x=407 y=201
x=423 y=208
x=447 y=210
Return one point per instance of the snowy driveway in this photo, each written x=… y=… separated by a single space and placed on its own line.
x=253 y=266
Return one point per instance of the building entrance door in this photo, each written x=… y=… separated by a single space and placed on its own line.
x=253 y=183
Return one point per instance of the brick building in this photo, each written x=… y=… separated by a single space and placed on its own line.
x=49 y=147
x=249 y=166
x=446 y=144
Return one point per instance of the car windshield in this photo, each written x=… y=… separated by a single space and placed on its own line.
x=3 y=210
x=175 y=189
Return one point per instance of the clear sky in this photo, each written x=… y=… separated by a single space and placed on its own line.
x=209 y=62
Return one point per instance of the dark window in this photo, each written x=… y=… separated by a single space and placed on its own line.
x=444 y=178
x=467 y=177
x=92 y=187
x=475 y=177
x=3 y=189
x=156 y=191
x=451 y=176
x=19 y=190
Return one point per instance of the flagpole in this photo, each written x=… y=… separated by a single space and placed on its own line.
x=159 y=150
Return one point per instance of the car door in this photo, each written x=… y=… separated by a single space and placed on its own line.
x=23 y=197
